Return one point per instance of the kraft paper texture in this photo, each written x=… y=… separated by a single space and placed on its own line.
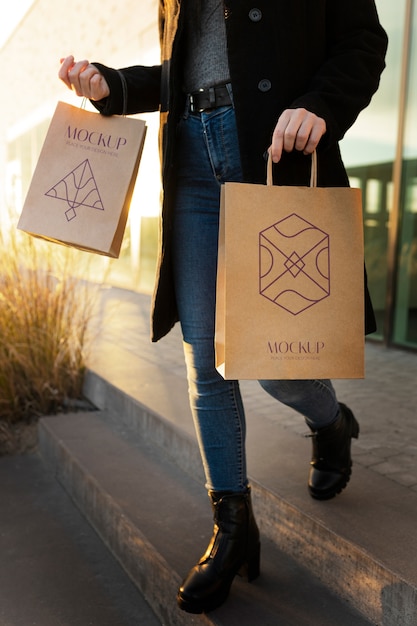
x=83 y=182
x=290 y=285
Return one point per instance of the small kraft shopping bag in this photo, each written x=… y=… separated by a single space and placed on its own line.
x=82 y=185
x=290 y=282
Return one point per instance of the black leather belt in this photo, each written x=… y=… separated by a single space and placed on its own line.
x=209 y=98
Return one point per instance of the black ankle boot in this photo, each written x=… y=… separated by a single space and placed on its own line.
x=234 y=549
x=331 y=462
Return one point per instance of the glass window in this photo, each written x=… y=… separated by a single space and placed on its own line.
x=405 y=319
x=369 y=152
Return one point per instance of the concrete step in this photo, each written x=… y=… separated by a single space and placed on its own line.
x=55 y=570
x=361 y=545
x=155 y=518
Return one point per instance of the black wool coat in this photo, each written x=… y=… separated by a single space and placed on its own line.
x=322 y=55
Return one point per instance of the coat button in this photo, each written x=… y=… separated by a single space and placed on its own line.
x=264 y=85
x=255 y=15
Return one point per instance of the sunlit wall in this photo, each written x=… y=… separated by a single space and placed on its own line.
x=117 y=34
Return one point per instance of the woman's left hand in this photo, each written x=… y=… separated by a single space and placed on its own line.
x=296 y=129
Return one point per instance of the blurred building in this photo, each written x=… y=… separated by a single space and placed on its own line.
x=380 y=151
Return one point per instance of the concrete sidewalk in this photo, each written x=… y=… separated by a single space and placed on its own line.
x=55 y=570
x=385 y=402
x=362 y=543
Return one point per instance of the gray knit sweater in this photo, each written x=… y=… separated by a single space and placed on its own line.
x=206 y=61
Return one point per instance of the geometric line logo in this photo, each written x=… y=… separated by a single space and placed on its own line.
x=294 y=264
x=77 y=188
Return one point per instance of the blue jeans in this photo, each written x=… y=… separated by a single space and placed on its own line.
x=208 y=156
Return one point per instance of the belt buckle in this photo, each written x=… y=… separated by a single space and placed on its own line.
x=193 y=107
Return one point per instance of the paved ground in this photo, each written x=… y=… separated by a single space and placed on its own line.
x=55 y=570
x=43 y=538
x=384 y=402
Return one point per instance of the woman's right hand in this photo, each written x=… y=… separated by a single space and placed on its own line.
x=83 y=78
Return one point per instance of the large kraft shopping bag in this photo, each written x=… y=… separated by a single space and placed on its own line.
x=290 y=282
x=82 y=185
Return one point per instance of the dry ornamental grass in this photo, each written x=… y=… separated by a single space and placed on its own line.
x=44 y=316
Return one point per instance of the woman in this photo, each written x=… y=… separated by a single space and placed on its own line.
x=234 y=81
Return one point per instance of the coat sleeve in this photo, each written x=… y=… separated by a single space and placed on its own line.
x=143 y=89
x=345 y=83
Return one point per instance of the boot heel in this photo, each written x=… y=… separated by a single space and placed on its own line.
x=354 y=425
x=331 y=461
x=251 y=568
x=355 y=429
